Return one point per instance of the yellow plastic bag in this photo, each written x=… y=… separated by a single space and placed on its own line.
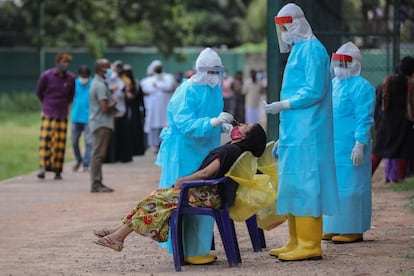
x=254 y=191
x=267 y=218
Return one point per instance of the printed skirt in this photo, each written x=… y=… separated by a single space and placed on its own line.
x=151 y=216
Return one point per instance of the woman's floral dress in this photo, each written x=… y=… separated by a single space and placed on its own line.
x=151 y=216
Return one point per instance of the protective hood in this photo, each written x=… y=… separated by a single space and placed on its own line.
x=346 y=62
x=209 y=68
x=291 y=16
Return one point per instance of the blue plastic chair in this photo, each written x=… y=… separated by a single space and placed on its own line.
x=224 y=223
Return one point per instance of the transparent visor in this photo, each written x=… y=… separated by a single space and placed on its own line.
x=280 y=27
x=340 y=66
x=213 y=75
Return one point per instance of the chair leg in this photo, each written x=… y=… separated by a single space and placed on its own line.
x=256 y=234
x=236 y=244
x=226 y=229
x=262 y=237
x=176 y=240
x=213 y=246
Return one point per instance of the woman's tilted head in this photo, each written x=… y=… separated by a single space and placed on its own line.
x=254 y=139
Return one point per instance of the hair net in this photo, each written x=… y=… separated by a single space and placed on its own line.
x=255 y=140
x=353 y=68
x=299 y=29
x=151 y=67
x=206 y=61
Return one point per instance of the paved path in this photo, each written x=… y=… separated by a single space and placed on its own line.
x=46 y=229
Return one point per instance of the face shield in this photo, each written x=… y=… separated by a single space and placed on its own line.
x=346 y=62
x=341 y=65
x=212 y=75
x=209 y=69
x=283 y=36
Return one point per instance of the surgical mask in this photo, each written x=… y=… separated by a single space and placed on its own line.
x=63 y=67
x=83 y=81
x=341 y=73
x=235 y=133
x=286 y=38
x=108 y=73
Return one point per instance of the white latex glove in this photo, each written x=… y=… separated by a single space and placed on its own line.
x=224 y=117
x=276 y=107
x=226 y=128
x=357 y=154
x=275 y=150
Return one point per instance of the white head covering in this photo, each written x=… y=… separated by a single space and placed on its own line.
x=353 y=68
x=151 y=67
x=208 y=60
x=299 y=29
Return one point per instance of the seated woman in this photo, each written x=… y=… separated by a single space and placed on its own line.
x=151 y=215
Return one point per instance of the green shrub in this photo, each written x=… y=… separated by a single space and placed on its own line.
x=19 y=102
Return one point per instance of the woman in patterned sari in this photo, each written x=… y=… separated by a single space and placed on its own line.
x=151 y=215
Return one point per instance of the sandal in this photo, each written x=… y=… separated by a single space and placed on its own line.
x=107 y=242
x=101 y=233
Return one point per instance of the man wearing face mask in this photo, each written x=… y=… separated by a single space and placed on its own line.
x=158 y=88
x=55 y=90
x=307 y=181
x=80 y=118
x=353 y=107
x=196 y=121
x=101 y=123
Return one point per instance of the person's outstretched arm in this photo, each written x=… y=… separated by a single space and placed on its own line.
x=205 y=173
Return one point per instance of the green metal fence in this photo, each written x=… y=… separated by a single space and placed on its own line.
x=21 y=67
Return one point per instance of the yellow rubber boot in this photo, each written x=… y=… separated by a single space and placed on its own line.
x=347 y=238
x=201 y=260
x=309 y=237
x=328 y=236
x=292 y=239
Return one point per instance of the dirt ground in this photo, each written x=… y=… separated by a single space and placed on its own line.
x=46 y=229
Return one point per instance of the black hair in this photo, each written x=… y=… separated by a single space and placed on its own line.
x=83 y=69
x=407 y=65
x=254 y=141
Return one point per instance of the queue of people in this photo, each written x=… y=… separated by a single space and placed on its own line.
x=326 y=111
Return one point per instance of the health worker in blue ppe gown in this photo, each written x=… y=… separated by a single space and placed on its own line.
x=196 y=121
x=353 y=107
x=307 y=182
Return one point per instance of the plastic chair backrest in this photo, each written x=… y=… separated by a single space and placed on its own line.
x=266 y=158
x=244 y=167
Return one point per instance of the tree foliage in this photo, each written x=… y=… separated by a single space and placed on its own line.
x=97 y=24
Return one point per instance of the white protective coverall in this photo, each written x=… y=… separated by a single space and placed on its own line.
x=189 y=138
x=307 y=183
x=158 y=89
x=353 y=106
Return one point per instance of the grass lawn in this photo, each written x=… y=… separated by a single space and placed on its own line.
x=406 y=186
x=19 y=143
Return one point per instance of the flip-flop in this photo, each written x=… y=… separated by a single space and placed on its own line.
x=101 y=233
x=107 y=242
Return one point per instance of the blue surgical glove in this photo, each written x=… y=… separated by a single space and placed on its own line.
x=276 y=107
x=275 y=150
x=357 y=154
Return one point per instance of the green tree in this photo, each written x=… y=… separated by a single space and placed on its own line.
x=97 y=24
